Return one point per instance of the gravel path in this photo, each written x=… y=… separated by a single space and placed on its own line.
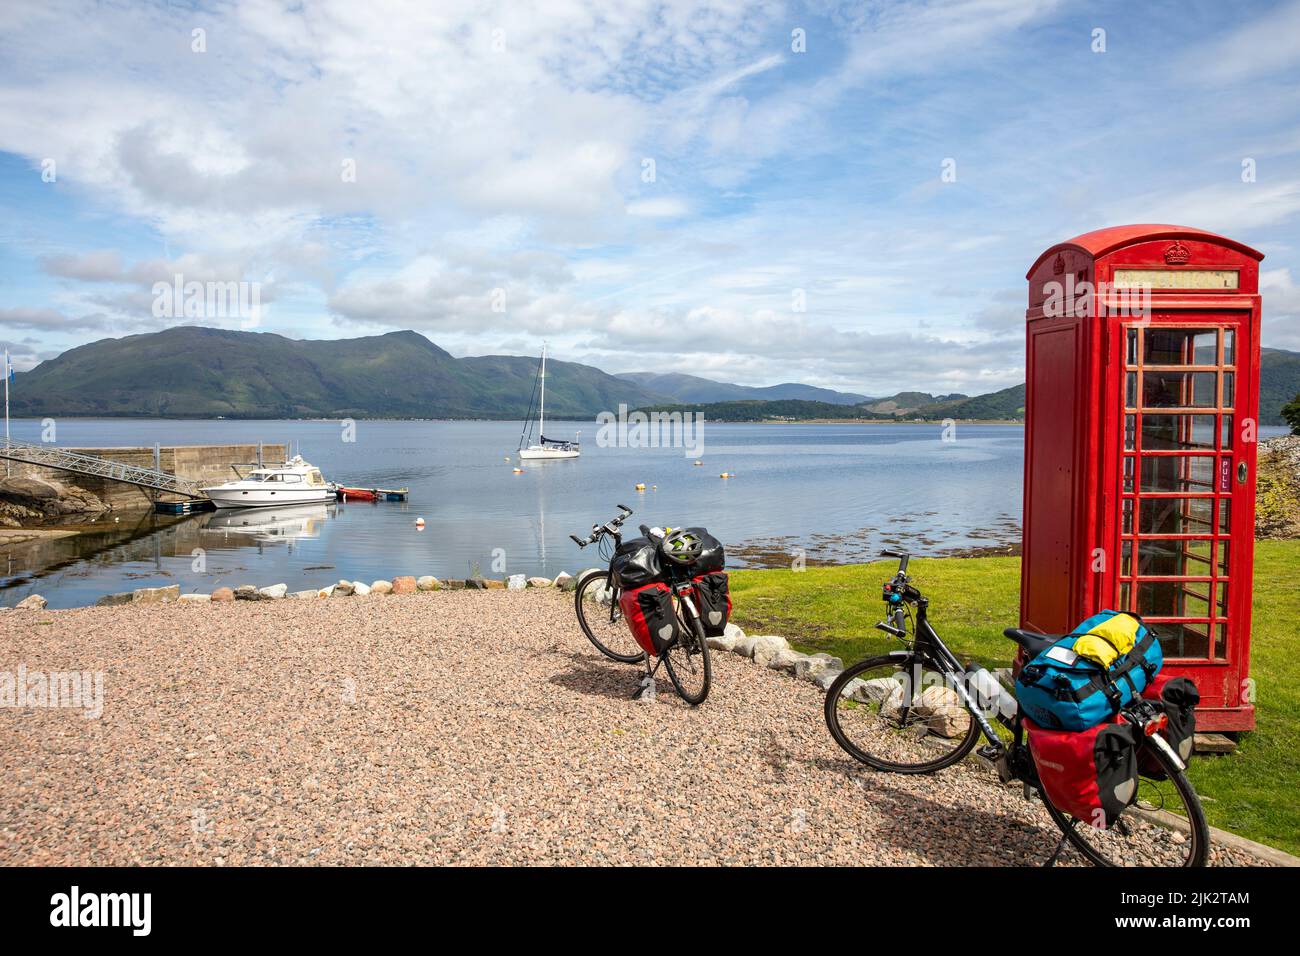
x=448 y=727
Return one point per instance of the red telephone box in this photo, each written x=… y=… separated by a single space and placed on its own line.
x=1141 y=410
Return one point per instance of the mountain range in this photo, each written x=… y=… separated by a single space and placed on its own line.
x=196 y=372
x=692 y=390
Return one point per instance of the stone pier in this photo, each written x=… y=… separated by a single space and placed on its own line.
x=206 y=464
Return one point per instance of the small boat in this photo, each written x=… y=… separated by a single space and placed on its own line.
x=292 y=483
x=371 y=494
x=544 y=448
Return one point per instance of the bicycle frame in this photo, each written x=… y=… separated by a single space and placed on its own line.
x=929 y=647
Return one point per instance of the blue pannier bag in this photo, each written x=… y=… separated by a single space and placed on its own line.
x=1061 y=690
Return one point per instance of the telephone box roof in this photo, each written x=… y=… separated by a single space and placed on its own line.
x=1101 y=241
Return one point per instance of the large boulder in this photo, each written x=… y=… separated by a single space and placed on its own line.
x=724 y=642
x=342 y=589
x=33 y=602
x=171 y=592
x=38 y=499
x=274 y=592
x=404 y=585
x=784 y=660
x=360 y=590
x=110 y=600
x=381 y=587
x=517 y=582
x=539 y=582
x=766 y=647
x=223 y=594
x=427 y=582
x=562 y=579
x=196 y=598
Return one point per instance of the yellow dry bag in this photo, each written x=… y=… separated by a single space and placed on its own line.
x=1109 y=640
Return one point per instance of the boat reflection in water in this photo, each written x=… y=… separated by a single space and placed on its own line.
x=271 y=524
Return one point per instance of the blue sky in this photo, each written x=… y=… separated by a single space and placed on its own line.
x=500 y=152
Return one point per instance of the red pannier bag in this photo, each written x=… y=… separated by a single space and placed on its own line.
x=1089 y=774
x=1179 y=697
x=713 y=595
x=650 y=616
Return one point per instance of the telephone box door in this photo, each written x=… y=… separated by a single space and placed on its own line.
x=1186 y=481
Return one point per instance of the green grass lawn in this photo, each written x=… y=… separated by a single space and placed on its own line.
x=1251 y=791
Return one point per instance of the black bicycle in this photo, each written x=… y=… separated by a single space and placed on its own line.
x=596 y=601
x=878 y=711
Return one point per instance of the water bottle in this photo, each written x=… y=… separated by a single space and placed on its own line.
x=990 y=694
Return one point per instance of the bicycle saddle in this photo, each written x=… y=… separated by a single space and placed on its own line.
x=1032 y=643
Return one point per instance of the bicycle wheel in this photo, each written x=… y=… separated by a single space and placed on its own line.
x=687 y=660
x=602 y=621
x=899 y=716
x=1136 y=839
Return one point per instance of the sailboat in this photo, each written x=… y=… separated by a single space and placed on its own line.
x=544 y=448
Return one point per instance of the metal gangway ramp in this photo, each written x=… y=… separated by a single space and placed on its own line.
x=51 y=456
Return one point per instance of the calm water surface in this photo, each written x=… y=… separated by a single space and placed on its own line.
x=834 y=492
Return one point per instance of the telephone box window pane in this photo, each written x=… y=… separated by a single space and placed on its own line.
x=1184 y=640
x=1221 y=642
x=1181 y=346
x=1128 y=473
x=1130 y=432
x=1225 y=515
x=1223 y=601
x=1174 y=558
x=1128 y=516
x=1177 y=516
x=1223 y=558
x=1229 y=347
x=1228 y=389
x=1132 y=347
x=1173 y=599
x=1177 y=432
x=1178 y=389
x=1131 y=390
x=1178 y=473
x=1227 y=432
x=1124 y=596
x=1126 y=559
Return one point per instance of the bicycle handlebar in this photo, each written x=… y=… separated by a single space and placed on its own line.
x=598 y=531
x=903 y=559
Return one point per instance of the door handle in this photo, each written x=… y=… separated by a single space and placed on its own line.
x=1241 y=472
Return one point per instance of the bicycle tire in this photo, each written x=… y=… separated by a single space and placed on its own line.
x=601 y=579
x=692 y=634
x=1198 y=828
x=832 y=714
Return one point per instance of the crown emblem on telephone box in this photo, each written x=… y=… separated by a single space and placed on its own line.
x=1177 y=254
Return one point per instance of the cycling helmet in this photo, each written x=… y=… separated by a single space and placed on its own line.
x=682 y=546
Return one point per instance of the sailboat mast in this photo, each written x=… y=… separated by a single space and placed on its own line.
x=541 y=414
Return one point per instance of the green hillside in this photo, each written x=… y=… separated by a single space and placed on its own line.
x=192 y=372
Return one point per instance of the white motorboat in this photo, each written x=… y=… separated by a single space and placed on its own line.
x=292 y=483
x=544 y=448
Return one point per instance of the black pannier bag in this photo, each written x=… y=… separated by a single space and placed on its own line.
x=650 y=617
x=713 y=594
x=713 y=557
x=636 y=563
x=1178 y=697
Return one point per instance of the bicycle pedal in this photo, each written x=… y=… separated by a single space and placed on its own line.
x=991 y=752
